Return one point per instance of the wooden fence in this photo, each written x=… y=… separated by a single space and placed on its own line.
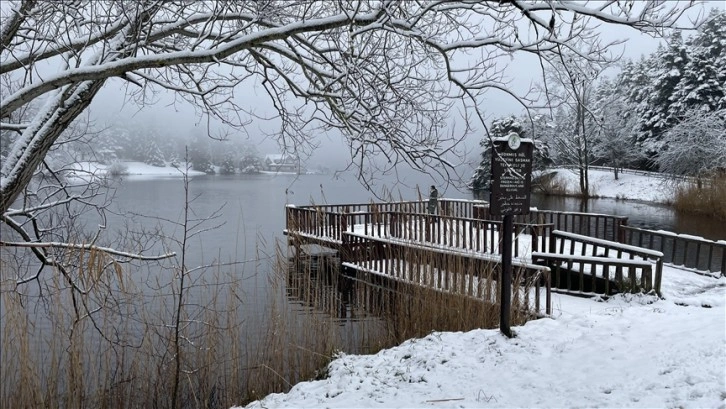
x=330 y=221
x=680 y=249
x=465 y=273
x=587 y=275
x=601 y=226
x=570 y=243
x=449 y=231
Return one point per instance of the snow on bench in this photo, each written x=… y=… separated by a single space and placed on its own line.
x=588 y=255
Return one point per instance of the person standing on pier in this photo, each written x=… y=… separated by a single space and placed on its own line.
x=433 y=200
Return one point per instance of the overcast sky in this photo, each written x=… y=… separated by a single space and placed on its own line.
x=180 y=119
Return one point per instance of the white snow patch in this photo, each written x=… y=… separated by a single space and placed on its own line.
x=133 y=170
x=629 y=351
x=628 y=186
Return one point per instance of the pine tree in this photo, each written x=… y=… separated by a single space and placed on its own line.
x=499 y=128
x=200 y=156
x=658 y=114
x=684 y=76
x=153 y=155
x=704 y=79
x=228 y=164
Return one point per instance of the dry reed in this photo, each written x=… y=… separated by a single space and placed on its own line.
x=550 y=184
x=709 y=199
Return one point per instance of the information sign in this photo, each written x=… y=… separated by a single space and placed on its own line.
x=511 y=176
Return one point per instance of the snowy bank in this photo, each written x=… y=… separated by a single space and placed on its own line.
x=129 y=170
x=628 y=351
x=629 y=186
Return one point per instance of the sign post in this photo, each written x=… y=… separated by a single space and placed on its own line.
x=510 y=195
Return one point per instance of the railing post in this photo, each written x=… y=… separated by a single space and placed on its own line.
x=345 y=247
x=288 y=215
x=658 y=275
x=344 y=220
x=621 y=231
x=506 y=277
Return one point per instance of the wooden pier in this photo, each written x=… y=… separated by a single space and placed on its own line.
x=457 y=250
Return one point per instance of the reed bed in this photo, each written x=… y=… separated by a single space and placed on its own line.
x=708 y=199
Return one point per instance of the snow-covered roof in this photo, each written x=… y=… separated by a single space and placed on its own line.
x=280 y=158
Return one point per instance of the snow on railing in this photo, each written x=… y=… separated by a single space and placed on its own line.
x=684 y=250
x=576 y=245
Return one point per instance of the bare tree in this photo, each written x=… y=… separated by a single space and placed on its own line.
x=386 y=74
x=572 y=82
x=696 y=146
x=616 y=122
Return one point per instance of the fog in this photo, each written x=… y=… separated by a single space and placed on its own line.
x=177 y=118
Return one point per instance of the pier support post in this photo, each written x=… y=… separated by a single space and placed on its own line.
x=506 y=296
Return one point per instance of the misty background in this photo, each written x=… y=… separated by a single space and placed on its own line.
x=174 y=118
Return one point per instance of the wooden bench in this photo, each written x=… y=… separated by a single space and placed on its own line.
x=629 y=275
x=591 y=250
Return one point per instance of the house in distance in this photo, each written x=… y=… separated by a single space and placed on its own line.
x=282 y=163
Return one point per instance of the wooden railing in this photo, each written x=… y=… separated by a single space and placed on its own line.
x=465 y=233
x=578 y=274
x=704 y=255
x=330 y=221
x=475 y=275
x=450 y=231
x=601 y=226
x=565 y=243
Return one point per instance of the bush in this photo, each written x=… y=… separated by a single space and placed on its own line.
x=117 y=169
x=550 y=184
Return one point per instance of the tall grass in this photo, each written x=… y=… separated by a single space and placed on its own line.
x=550 y=184
x=123 y=354
x=709 y=199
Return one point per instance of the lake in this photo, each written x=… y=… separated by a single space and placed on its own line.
x=252 y=208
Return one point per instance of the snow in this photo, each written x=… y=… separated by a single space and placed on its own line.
x=629 y=186
x=601 y=242
x=628 y=351
x=590 y=259
x=133 y=170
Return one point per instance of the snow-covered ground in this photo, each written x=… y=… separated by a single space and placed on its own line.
x=628 y=351
x=629 y=186
x=129 y=170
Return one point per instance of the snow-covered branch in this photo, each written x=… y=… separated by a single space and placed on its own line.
x=385 y=74
x=74 y=246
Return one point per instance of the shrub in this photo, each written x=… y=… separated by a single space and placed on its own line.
x=550 y=184
x=117 y=169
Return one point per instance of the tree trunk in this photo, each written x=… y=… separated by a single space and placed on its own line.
x=40 y=136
